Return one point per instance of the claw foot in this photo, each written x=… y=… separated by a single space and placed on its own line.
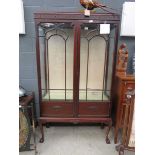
x=121 y=152
x=107 y=140
x=117 y=148
x=120 y=149
x=41 y=140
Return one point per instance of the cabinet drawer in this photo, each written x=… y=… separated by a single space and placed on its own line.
x=129 y=86
x=56 y=109
x=94 y=109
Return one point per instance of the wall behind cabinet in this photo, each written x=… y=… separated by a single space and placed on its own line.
x=27 y=55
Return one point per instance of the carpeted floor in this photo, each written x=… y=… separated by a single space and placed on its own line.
x=75 y=140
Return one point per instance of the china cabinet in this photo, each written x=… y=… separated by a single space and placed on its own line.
x=76 y=67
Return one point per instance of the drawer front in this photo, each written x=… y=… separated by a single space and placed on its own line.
x=93 y=109
x=56 y=109
x=129 y=87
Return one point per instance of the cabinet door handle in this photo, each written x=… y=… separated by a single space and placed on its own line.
x=92 y=107
x=56 y=107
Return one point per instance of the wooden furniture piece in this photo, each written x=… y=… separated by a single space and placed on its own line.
x=26 y=118
x=124 y=92
x=127 y=140
x=76 y=66
x=123 y=101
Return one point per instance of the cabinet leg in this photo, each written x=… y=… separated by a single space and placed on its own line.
x=115 y=135
x=47 y=125
x=42 y=132
x=107 y=132
x=120 y=149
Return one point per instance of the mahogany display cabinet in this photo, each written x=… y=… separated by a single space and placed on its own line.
x=76 y=67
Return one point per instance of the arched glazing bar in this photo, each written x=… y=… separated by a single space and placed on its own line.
x=49 y=33
x=90 y=36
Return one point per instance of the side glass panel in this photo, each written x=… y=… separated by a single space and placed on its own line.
x=56 y=60
x=94 y=62
x=111 y=47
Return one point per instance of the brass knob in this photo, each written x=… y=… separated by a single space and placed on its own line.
x=128 y=96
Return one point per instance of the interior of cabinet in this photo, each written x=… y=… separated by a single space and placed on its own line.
x=56 y=41
x=93 y=57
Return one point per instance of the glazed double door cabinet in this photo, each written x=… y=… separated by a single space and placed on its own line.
x=76 y=66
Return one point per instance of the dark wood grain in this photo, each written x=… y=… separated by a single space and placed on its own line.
x=94 y=109
x=56 y=109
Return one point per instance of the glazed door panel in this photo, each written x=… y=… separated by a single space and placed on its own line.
x=93 y=60
x=56 y=59
x=96 y=70
x=76 y=67
x=56 y=42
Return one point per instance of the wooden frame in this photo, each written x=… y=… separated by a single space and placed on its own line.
x=123 y=100
x=76 y=19
x=129 y=110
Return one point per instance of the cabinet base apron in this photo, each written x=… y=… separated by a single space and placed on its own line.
x=107 y=121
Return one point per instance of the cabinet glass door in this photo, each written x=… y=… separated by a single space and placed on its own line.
x=94 y=64
x=56 y=41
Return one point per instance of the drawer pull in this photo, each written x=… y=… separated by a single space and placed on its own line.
x=128 y=96
x=129 y=88
x=92 y=107
x=56 y=107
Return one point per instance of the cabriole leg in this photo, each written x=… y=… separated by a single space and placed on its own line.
x=107 y=132
x=42 y=132
x=120 y=149
x=115 y=135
